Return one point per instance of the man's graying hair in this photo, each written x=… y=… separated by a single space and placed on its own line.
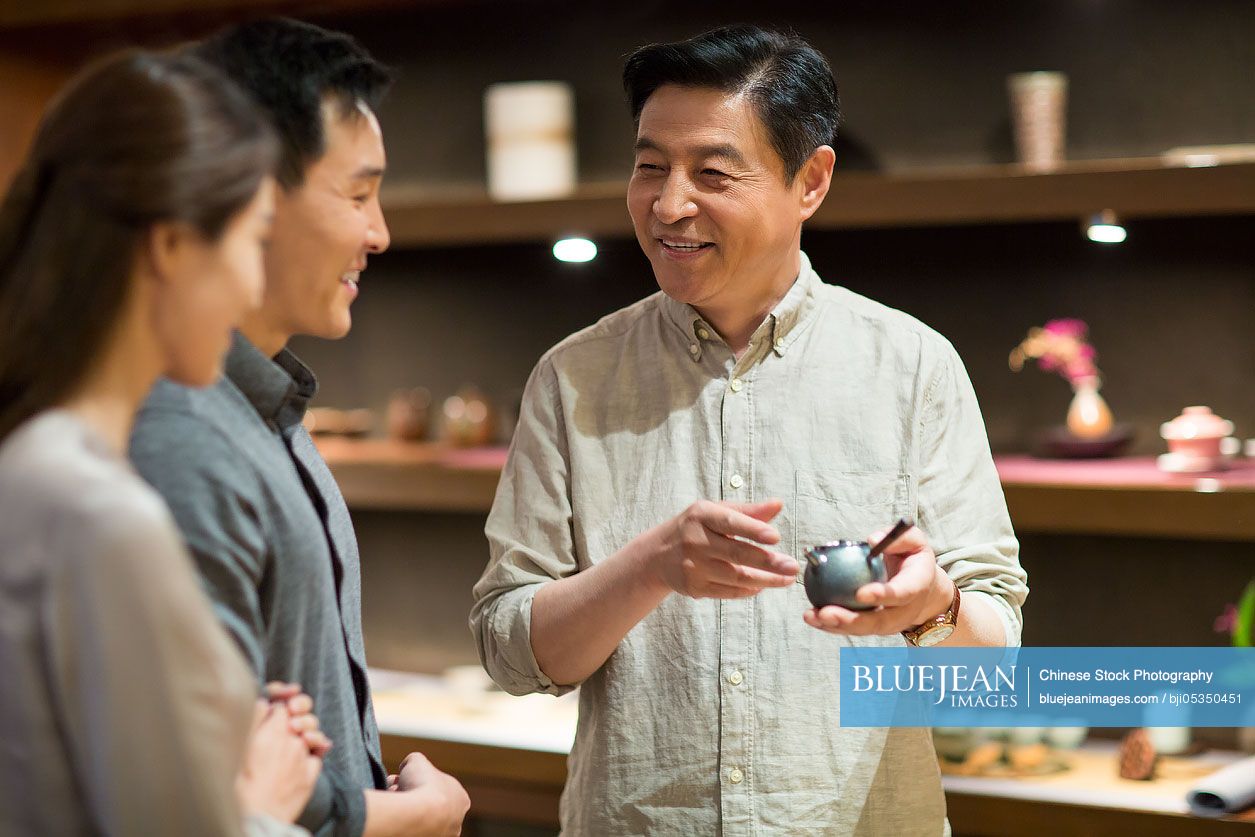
x=789 y=83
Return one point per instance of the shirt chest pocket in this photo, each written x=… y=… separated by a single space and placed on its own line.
x=849 y=505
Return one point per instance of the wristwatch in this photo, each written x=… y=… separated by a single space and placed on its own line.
x=937 y=629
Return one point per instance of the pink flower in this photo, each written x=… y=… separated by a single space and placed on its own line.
x=1226 y=621
x=1069 y=327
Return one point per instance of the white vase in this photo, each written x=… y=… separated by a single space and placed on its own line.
x=1089 y=417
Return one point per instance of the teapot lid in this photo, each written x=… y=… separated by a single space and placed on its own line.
x=1196 y=423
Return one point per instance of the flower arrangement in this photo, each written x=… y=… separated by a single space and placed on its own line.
x=1059 y=346
x=1238 y=621
x=1062 y=346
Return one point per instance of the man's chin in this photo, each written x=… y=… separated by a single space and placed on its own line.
x=335 y=328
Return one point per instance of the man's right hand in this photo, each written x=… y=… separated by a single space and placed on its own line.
x=447 y=799
x=711 y=550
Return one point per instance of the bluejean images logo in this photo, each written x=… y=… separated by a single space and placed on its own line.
x=969 y=686
x=1003 y=687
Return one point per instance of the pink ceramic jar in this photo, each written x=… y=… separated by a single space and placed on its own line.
x=1196 y=434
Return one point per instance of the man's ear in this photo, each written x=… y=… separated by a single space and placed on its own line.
x=815 y=178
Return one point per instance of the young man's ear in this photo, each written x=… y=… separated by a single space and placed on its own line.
x=815 y=178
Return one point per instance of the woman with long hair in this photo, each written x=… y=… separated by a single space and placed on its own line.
x=130 y=245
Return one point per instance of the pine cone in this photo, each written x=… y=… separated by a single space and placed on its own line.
x=1138 y=758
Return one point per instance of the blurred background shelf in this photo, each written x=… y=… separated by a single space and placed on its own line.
x=1133 y=188
x=379 y=474
x=1127 y=496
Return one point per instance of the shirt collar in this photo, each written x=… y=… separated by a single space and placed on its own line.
x=279 y=389
x=781 y=326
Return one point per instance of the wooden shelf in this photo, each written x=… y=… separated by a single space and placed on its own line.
x=1097 y=497
x=396 y=476
x=1128 y=496
x=1134 y=188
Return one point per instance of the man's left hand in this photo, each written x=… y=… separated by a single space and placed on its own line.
x=917 y=590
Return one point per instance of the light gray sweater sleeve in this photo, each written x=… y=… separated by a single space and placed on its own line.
x=156 y=703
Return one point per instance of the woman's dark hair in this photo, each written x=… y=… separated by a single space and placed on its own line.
x=289 y=68
x=136 y=139
x=787 y=80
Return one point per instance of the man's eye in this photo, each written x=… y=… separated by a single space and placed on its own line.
x=713 y=172
x=361 y=198
x=648 y=167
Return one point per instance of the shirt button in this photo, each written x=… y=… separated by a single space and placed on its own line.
x=703 y=333
x=779 y=341
x=736 y=481
x=736 y=678
x=693 y=348
x=737 y=384
x=735 y=776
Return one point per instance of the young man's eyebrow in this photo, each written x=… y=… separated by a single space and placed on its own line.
x=368 y=172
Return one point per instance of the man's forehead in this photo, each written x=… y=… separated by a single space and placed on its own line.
x=354 y=140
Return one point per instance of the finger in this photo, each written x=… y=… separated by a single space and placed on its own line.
x=913 y=579
x=303 y=723
x=752 y=555
x=725 y=520
x=912 y=540
x=279 y=690
x=834 y=619
x=739 y=575
x=300 y=704
x=716 y=590
x=765 y=510
x=317 y=743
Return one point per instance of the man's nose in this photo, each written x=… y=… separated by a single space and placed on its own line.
x=377 y=236
x=674 y=201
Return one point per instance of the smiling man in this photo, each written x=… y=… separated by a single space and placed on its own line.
x=257 y=505
x=672 y=461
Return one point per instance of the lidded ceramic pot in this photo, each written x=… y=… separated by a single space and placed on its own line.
x=1198 y=440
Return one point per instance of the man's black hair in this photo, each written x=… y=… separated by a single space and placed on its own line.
x=290 y=68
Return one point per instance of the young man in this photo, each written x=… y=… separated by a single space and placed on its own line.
x=709 y=686
x=256 y=503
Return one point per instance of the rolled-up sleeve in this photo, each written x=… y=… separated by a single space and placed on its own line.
x=529 y=537
x=961 y=505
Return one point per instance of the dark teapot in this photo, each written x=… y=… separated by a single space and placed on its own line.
x=835 y=571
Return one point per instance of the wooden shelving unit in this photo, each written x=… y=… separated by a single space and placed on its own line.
x=1133 y=188
x=1112 y=497
x=381 y=475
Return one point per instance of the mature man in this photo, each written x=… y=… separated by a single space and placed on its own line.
x=709 y=687
x=259 y=509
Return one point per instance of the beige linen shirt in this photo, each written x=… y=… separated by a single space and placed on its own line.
x=722 y=717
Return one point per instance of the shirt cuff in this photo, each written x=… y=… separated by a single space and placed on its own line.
x=337 y=807
x=507 y=651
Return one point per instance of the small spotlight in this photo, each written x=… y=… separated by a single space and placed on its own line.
x=1104 y=227
x=574 y=250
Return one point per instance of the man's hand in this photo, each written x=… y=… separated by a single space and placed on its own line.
x=447 y=799
x=711 y=550
x=917 y=590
